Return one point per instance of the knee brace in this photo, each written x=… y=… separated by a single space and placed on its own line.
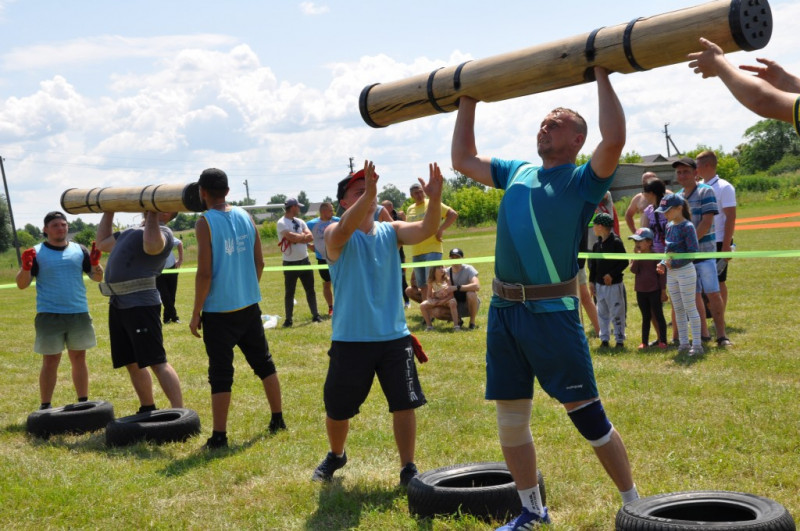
x=513 y=422
x=592 y=423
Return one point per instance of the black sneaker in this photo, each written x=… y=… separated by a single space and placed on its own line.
x=604 y=344
x=329 y=465
x=146 y=409
x=408 y=473
x=216 y=442
x=287 y=324
x=316 y=319
x=472 y=326
x=275 y=425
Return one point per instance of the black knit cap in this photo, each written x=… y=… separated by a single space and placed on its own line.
x=213 y=179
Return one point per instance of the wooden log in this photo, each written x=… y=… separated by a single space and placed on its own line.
x=641 y=44
x=154 y=198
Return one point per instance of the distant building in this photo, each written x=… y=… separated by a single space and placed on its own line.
x=628 y=180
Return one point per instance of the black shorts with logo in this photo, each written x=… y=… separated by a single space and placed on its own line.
x=352 y=369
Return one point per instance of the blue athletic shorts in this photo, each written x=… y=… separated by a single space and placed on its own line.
x=707 y=281
x=551 y=347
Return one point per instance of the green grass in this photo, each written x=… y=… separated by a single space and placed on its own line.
x=726 y=421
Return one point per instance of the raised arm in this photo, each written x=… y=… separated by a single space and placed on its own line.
x=774 y=74
x=612 y=127
x=755 y=93
x=337 y=234
x=153 y=242
x=105 y=233
x=463 y=152
x=416 y=232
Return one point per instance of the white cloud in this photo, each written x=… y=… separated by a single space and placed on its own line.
x=92 y=50
x=312 y=8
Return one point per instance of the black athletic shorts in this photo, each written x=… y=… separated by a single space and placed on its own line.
x=324 y=273
x=724 y=276
x=223 y=331
x=136 y=336
x=353 y=367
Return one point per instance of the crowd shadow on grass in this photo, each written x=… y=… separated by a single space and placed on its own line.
x=201 y=457
x=341 y=508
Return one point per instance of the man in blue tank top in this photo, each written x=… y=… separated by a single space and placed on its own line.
x=370 y=335
x=227 y=293
x=62 y=310
x=534 y=329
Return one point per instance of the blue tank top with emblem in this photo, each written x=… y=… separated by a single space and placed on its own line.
x=59 y=279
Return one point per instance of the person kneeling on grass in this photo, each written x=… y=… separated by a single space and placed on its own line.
x=370 y=335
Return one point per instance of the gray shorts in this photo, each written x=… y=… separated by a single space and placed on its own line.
x=56 y=330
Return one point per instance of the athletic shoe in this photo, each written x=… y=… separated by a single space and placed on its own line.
x=642 y=346
x=662 y=345
x=329 y=465
x=456 y=328
x=316 y=319
x=723 y=342
x=653 y=343
x=696 y=351
x=428 y=328
x=276 y=424
x=473 y=326
x=604 y=344
x=408 y=473
x=684 y=349
x=705 y=339
x=215 y=442
x=526 y=521
x=407 y=305
x=619 y=346
x=287 y=324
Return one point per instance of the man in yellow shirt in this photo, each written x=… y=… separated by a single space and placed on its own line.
x=430 y=249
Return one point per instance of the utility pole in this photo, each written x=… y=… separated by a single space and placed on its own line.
x=10 y=213
x=247 y=190
x=352 y=168
x=669 y=141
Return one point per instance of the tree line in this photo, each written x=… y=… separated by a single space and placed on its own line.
x=771 y=150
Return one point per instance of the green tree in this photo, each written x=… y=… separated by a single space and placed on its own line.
x=393 y=194
x=34 y=231
x=278 y=198
x=631 y=157
x=767 y=143
x=6 y=237
x=25 y=240
x=85 y=237
x=183 y=221
x=461 y=181
x=77 y=225
x=303 y=199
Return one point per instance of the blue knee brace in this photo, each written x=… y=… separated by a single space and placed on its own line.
x=592 y=423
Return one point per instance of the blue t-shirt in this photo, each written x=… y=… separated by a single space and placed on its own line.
x=681 y=238
x=317 y=228
x=59 y=278
x=367 y=281
x=542 y=217
x=234 y=283
x=703 y=201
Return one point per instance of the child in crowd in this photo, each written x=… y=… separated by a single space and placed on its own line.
x=651 y=288
x=605 y=281
x=439 y=294
x=681 y=237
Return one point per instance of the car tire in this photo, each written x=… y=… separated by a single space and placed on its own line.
x=484 y=490
x=81 y=417
x=159 y=426
x=703 y=510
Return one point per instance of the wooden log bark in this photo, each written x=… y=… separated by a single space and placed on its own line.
x=641 y=44
x=154 y=198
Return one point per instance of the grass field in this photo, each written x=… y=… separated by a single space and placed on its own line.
x=727 y=421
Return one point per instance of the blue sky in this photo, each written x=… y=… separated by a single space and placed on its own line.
x=99 y=93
